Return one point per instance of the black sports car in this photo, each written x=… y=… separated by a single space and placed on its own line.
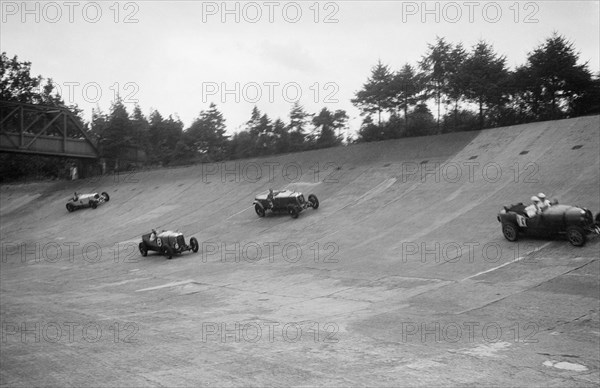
x=576 y=223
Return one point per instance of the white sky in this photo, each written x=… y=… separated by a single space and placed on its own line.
x=178 y=56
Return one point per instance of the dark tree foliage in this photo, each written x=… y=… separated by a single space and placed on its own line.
x=460 y=120
x=118 y=131
x=282 y=136
x=436 y=65
x=165 y=134
x=241 y=145
x=98 y=125
x=369 y=131
x=553 y=84
x=376 y=94
x=327 y=123
x=485 y=76
x=141 y=128
x=261 y=137
x=206 y=136
x=587 y=102
x=393 y=128
x=299 y=120
x=266 y=137
x=420 y=122
x=260 y=129
x=406 y=86
x=455 y=89
x=18 y=85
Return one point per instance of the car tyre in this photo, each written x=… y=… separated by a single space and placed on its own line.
x=70 y=207
x=259 y=210
x=576 y=236
x=313 y=201
x=106 y=196
x=143 y=249
x=168 y=251
x=93 y=204
x=510 y=232
x=293 y=211
x=194 y=244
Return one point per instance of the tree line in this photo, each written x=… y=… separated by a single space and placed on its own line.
x=466 y=89
x=167 y=142
x=476 y=90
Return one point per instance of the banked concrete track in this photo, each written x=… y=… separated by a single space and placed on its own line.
x=400 y=278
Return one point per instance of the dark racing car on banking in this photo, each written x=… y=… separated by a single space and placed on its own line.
x=573 y=222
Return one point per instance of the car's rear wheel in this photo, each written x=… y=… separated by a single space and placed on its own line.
x=259 y=210
x=510 y=231
x=93 y=204
x=70 y=207
x=576 y=236
x=293 y=211
x=106 y=197
x=168 y=252
x=314 y=201
x=194 y=244
x=143 y=249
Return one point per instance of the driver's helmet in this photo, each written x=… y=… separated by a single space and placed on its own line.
x=535 y=199
x=541 y=196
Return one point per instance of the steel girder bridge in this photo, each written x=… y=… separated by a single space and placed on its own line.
x=43 y=130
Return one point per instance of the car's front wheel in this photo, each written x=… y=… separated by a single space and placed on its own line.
x=106 y=197
x=168 y=251
x=576 y=236
x=194 y=244
x=510 y=231
x=259 y=210
x=313 y=201
x=143 y=249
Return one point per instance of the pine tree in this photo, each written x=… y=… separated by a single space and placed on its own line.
x=376 y=94
x=485 y=77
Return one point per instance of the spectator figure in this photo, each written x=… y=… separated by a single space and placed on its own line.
x=74 y=172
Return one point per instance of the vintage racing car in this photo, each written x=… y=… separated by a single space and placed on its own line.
x=574 y=222
x=79 y=201
x=279 y=201
x=167 y=243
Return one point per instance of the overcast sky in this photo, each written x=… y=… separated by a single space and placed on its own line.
x=179 y=56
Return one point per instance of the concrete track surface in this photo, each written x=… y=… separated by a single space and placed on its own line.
x=401 y=278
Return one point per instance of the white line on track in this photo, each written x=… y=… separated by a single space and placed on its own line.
x=241 y=211
x=172 y=284
x=510 y=262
